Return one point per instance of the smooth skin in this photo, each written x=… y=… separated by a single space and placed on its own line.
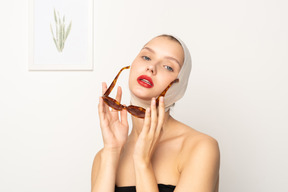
x=159 y=149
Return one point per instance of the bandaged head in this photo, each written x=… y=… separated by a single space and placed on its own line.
x=177 y=90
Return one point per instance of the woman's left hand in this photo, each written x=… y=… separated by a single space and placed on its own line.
x=150 y=133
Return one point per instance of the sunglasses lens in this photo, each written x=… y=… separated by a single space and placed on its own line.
x=136 y=111
x=112 y=103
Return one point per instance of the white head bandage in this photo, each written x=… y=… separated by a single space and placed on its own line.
x=177 y=90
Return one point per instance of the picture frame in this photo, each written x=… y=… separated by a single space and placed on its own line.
x=60 y=35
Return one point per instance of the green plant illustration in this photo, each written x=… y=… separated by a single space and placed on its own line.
x=61 y=31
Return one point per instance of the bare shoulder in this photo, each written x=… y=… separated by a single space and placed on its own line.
x=195 y=141
x=198 y=159
x=197 y=145
x=193 y=138
x=95 y=166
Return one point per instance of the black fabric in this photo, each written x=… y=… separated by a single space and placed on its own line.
x=162 y=188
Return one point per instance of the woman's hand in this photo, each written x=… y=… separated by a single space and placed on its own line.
x=150 y=133
x=114 y=129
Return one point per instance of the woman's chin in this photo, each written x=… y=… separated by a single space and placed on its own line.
x=142 y=96
x=148 y=99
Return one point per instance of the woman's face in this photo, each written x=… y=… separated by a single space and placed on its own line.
x=157 y=65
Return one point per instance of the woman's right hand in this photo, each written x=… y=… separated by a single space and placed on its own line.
x=114 y=129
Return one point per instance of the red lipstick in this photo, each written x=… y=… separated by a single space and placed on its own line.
x=145 y=81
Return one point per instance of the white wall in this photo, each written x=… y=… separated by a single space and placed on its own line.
x=49 y=129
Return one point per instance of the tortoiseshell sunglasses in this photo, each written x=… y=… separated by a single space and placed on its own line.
x=132 y=109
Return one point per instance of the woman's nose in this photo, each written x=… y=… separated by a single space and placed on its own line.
x=152 y=69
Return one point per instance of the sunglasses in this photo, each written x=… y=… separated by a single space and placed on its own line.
x=132 y=109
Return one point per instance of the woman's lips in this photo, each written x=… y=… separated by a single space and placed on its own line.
x=145 y=81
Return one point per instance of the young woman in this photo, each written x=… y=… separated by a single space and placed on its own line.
x=161 y=153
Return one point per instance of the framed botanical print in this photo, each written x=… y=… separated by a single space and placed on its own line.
x=61 y=35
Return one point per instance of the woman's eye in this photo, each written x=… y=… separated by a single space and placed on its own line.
x=168 y=68
x=146 y=58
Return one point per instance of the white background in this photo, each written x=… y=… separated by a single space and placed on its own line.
x=49 y=128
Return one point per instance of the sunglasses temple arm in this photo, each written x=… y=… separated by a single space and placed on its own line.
x=110 y=88
x=165 y=91
x=108 y=91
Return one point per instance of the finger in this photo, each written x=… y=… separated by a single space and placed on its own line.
x=154 y=118
x=161 y=115
x=118 y=98
x=124 y=119
x=119 y=94
x=101 y=110
x=114 y=112
x=104 y=88
x=100 y=106
x=147 y=121
x=103 y=117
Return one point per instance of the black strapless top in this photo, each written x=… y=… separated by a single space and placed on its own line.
x=162 y=188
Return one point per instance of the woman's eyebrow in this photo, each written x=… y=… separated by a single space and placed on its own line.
x=173 y=59
x=149 y=49
x=167 y=57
